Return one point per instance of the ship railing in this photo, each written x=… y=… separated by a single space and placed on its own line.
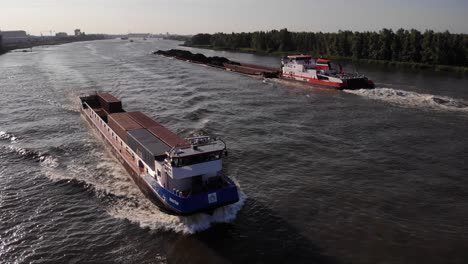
x=350 y=75
x=196 y=142
x=85 y=104
x=173 y=150
x=202 y=140
x=168 y=167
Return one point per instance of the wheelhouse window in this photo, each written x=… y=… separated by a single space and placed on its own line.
x=190 y=160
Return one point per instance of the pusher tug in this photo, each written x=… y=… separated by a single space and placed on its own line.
x=305 y=69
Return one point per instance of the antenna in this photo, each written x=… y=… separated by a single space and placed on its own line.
x=50 y=31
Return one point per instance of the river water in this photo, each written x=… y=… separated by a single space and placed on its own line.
x=366 y=176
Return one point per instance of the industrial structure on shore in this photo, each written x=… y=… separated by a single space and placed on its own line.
x=19 y=39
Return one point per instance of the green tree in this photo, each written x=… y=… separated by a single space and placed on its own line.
x=385 y=42
x=285 y=40
x=201 y=39
x=415 y=39
x=403 y=45
x=429 y=54
x=397 y=44
x=357 y=45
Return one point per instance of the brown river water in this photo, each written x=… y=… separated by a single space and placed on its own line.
x=366 y=176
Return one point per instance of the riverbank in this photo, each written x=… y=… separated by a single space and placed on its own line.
x=48 y=42
x=396 y=64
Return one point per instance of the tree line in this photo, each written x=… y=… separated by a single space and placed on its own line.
x=1 y=45
x=429 y=47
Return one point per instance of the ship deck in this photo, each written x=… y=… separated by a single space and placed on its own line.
x=112 y=138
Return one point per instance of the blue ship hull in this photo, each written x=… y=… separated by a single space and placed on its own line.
x=204 y=202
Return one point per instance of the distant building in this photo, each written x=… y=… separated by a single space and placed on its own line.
x=138 y=35
x=77 y=32
x=13 y=36
x=61 y=34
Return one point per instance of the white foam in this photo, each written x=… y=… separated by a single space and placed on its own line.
x=4 y=135
x=49 y=161
x=135 y=207
x=147 y=215
x=107 y=177
x=45 y=159
x=19 y=151
x=413 y=99
x=73 y=104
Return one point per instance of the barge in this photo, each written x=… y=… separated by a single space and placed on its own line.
x=221 y=63
x=182 y=176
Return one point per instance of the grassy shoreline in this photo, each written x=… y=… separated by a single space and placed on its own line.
x=395 y=64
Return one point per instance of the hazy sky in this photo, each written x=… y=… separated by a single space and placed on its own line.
x=194 y=16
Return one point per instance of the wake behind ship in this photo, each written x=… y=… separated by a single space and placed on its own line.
x=181 y=176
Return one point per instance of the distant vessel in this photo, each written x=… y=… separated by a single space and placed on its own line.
x=124 y=38
x=304 y=68
x=298 y=68
x=181 y=176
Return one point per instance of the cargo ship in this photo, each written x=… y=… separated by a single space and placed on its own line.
x=182 y=176
x=305 y=69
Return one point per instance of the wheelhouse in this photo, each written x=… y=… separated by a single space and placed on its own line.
x=323 y=65
x=196 y=169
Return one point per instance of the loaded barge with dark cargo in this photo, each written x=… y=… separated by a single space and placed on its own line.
x=300 y=68
x=182 y=176
x=221 y=63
